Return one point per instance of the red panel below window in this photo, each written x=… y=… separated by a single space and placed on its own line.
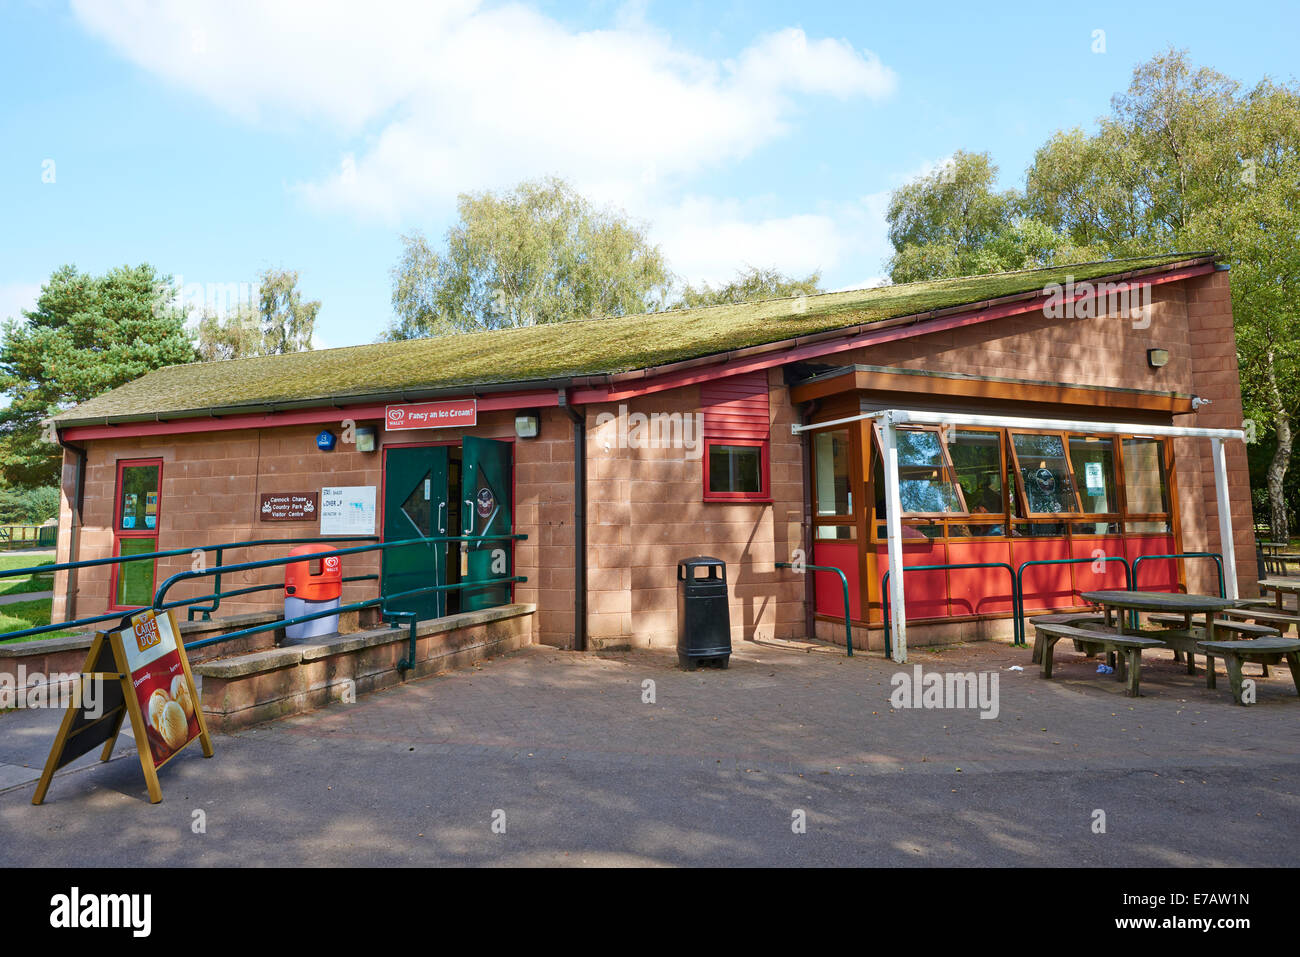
x=830 y=590
x=979 y=591
x=925 y=593
x=1154 y=575
x=1086 y=577
x=1044 y=586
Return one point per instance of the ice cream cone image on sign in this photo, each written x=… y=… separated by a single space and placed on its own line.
x=181 y=695
x=173 y=725
x=157 y=701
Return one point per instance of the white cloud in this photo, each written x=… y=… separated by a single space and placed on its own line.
x=461 y=96
x=16 y=297
x=708 y=240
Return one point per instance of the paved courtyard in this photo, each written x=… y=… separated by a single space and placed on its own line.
x=562 y=750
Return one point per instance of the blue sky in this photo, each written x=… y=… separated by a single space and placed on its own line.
x=214 y=139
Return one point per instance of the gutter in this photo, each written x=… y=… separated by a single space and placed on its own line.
x=579 y=418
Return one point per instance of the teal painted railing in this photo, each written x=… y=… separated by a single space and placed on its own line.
x=848 y=630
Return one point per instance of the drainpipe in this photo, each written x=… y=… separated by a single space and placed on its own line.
x=74 y=530
x=579 y=418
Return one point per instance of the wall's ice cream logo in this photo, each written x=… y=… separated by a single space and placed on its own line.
x=396 y=416
x=146 y=633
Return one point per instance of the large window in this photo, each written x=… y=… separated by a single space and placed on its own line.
x=977 y=466
x=1045 y=479
x=136 y=513
x=924 y=483
x=834 y=494
x=1093 y=459
x=959 y=482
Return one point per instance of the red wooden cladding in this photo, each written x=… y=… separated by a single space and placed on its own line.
x=736 y=407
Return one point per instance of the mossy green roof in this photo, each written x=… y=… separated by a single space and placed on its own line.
x=565 y=350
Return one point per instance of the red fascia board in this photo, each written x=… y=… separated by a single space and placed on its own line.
x=870 y=337
x=269 y=420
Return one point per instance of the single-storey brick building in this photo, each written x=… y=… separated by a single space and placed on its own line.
x=752 y=433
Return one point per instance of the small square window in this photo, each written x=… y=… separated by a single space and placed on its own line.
x=736 y=470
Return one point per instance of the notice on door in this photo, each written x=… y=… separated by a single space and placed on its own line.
x=431 y=415
x=348 y=510
x=288 y=507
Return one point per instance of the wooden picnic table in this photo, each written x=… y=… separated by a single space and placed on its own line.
x=1280 y=586
x=1181 y=640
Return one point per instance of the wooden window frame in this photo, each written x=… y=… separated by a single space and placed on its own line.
x=1020 y=479
x=120 y=533
x=764 y=495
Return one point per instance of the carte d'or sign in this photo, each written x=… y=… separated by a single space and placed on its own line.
x=289 y=506
x=431 y=415
x=142 y=674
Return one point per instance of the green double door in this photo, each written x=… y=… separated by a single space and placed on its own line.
x=442 y=490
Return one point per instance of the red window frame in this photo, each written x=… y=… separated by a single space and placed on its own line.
x=120 y=533
x=764 y=494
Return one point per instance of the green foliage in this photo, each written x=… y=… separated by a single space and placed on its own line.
x=282 y=323
x=29 y=506
x=1187 y=161
x=951 y=222
x=750 y=285
x=86 y=335
x=538 y=254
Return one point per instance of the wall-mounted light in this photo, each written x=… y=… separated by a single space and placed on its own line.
x=365 y=436
x=1157 y=358
x=527 y=425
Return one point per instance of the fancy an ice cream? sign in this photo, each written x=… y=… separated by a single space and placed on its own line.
x=431 y=415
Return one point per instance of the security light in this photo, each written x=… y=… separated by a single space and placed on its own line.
x=527 y=425
x=365 y=436
x=1157 y=358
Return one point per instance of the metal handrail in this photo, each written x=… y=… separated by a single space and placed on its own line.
x=1218 y=560
x=160 y=604
x=1020 y=584
x=215 y=597
x=848 y=631
x=884 y=593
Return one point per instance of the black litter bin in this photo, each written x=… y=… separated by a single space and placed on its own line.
x=703 y=613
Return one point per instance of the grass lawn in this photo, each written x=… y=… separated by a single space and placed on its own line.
x=21 y=584
x=29 y=614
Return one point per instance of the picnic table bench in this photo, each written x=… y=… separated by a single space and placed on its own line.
x=1241 y=628
x=1078 y=619
x=1125 y=649
x=1283 y=620
x=1266 y=651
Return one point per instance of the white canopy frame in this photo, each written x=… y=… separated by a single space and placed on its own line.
x=890 y=419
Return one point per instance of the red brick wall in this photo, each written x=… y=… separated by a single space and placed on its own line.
x=1213 y=349
x=646 y=512
x=211 y=487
